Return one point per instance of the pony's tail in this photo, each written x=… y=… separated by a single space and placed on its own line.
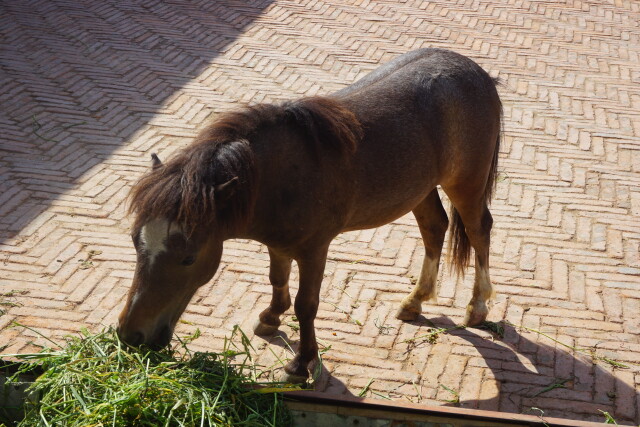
x=459 y=245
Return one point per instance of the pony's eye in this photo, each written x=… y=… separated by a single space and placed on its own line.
x=188 y=260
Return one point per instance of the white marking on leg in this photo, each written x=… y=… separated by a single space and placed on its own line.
x=428 y=282
x=426 y=287
x=483 y=287
x=477 y=309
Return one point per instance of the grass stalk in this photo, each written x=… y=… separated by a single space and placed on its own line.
x=433 y=335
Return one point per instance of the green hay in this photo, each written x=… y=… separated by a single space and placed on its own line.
x=433 y=335
x=365 y=389
x=608 y=419
x=557 y=383
x=495 y=327
x=6 y=300
x=353 y=319
x=96 y=380
x=456 y=397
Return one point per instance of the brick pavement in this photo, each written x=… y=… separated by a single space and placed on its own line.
x=89 y=89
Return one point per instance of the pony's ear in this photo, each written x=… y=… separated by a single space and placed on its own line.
x=225 y=190
x=155 y=161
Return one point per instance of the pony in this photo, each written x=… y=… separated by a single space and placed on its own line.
x=292 y=176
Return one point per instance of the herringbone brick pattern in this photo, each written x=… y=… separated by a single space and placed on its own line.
x=89 y=89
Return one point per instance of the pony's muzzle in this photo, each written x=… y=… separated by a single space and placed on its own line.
x=136 y=338
x=163 y=338
x=133 y=339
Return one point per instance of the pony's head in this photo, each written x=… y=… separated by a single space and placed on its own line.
x=184 y=210
x=171 y=265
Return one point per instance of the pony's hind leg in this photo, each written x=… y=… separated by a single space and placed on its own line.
x=432 y=220
x=476 y=221
x=479 y=235
x=279 y=271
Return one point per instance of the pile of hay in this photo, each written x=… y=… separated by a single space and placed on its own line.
x=96 y=380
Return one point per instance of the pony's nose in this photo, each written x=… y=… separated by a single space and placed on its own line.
x=133 y=339
x=163 y=338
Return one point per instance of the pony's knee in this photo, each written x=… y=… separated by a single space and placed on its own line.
x=486 y=222
x=306 y=308
x=437 y=230
x=278 y=279
x=479 y=230
x=438 y=224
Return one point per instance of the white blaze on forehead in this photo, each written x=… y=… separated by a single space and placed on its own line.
x=153 y=236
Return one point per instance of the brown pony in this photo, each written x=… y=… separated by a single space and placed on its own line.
x=294 y=176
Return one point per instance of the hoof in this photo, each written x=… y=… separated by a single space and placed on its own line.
x=408 y=313
x=293 y=378
x=475 y=317
x=264 y=329
x=320 y=377
x=296 y=371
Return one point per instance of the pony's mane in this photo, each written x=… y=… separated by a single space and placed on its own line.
x=182 y=190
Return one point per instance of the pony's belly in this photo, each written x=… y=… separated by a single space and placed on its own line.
x=377 y=216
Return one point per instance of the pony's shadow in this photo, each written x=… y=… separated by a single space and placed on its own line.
x=532 y=378
x=542 y=380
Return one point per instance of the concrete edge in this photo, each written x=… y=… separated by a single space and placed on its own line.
x=301 y=400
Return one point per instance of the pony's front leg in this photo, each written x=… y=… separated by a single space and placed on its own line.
x=279 y=271
x=306 y=307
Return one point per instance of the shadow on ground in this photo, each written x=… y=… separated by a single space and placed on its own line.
x=533 y=378
x=79 y=79
x=541 y=380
